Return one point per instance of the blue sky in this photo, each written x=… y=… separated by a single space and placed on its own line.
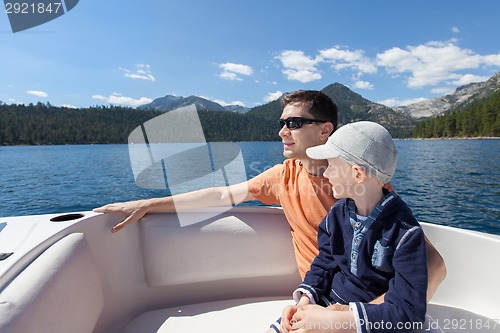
x=249 y=52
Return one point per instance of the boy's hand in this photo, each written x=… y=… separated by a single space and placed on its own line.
x=312 y=318
x=289 y=311
x=286 y=317
x=338 y=307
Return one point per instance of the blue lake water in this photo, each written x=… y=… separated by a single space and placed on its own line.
x=449 y=182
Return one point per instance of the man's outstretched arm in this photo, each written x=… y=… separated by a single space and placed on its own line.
x=133 y=211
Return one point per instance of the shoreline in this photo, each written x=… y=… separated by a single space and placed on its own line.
x=95 y=143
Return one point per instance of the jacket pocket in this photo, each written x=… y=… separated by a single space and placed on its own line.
x=382 y=257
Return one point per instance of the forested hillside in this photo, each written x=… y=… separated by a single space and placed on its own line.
x=43 y=124
x=479 y=119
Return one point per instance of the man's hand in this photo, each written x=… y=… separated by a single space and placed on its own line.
x=132 y=211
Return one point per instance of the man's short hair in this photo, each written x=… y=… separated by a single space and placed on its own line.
x=319 y=105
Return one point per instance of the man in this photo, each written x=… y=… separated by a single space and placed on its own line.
x=307 y=120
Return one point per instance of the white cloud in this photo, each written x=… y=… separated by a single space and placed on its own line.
x=237 y=68
x=231 y=71
x=303 y=76
x=455 y=30
x=363 y=85
x=37 y=93
x=433 y=63
x=393 y=102
x=442 y=90
x=224 y=103
x=118 y=99
x=99 y=97
x=469 y=78
x=298 y=66
x=297 y=60
x=230 y=76
x=142 y=72
x=303 y=68
x=273 y=96
x=492 y=59
x=345 y=59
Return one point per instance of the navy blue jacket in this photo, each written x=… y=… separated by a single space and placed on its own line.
x=360 y=260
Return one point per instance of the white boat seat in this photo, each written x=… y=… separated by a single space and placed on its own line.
x=59 y=292
x=227 y=259
x=442 y=318
x=238 y=315
x=256 y=314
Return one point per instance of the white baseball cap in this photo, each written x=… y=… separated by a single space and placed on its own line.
x=364 y=143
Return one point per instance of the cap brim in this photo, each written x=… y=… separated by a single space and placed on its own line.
x=323 y=152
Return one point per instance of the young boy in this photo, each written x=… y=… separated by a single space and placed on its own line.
x=369 y=244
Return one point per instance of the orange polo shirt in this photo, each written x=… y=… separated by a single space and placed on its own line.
x=306 y=199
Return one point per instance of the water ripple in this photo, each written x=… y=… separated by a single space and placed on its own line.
x=448 y=182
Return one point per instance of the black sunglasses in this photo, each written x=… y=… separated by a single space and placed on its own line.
x=297 y=122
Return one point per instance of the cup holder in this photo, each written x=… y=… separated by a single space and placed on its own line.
x=67 y=217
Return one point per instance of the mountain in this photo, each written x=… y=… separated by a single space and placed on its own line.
x=459 y=99
x=236 y=108
x=352 y=107
x=478 y=119
x=170 y=102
